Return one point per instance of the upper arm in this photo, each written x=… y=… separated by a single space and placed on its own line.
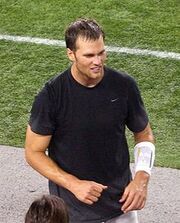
x=35 y=142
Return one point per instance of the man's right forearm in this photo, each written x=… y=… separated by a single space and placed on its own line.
x=49 y=169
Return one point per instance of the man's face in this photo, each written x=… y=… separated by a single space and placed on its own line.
x=88 y=61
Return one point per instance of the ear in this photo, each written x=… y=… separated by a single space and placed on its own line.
x=70 y=55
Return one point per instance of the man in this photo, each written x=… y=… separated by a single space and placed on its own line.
x=80 y=116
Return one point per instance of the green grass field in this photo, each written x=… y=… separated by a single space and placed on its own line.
x=145 y=24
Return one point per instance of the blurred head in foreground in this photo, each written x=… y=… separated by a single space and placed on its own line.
x=47 y=209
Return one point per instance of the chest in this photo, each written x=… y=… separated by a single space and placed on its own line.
x=92 y=109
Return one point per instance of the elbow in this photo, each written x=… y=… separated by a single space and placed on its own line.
x=27 y=155
x=145 y=135
x=153 y=139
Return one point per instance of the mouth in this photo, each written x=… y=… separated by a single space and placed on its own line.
x=96 y=69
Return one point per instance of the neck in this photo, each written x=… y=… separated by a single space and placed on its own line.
x=84 y=79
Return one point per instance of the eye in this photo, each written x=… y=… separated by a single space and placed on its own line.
x=89 y=55
x=101 y=53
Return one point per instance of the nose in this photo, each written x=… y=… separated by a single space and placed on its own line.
x=97 y=60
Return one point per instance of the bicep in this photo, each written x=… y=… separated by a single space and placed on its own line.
x=35 y=142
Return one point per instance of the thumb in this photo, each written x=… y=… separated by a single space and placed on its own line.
x=104 y=187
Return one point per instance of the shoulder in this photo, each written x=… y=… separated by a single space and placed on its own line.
x=57 y=80
x=120 y=77
x=55 y=85
x=51 y=90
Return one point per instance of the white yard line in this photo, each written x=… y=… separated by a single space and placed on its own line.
x=61 y=43
x=135 y=51
x=35 y=40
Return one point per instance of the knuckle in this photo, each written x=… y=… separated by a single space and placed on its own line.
x=100 y=190
x=83 y=199
x=86 y=196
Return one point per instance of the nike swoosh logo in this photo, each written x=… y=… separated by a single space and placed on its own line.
x=113 y=100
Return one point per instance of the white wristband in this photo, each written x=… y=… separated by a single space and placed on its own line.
x=144 y=154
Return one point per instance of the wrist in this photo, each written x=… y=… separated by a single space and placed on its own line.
x=71 y=182
x=142 y=178
x=67 y=180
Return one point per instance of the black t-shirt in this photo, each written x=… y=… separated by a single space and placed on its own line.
x=88 y=136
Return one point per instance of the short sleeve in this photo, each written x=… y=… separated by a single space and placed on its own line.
x=43 y=113
x=137 y=118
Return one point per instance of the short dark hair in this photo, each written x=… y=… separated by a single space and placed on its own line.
x=47 y=209
x=88 y=29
